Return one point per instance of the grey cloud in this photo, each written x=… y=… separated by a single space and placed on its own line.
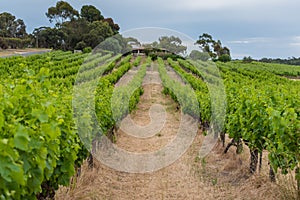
x=244 y=26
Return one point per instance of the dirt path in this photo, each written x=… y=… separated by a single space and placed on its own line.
x=127 y=77
x=22 y=52
x=171 y=72
x=218 y=176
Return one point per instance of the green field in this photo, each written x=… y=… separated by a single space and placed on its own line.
x=40 y=148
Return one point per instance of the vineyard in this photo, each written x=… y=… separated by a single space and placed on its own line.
x=54 y=108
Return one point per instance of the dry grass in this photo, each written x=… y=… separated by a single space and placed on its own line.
x=231 y=171
x=218 y=176
x=287 y=185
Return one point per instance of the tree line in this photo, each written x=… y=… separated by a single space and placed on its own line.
x=87 y=28
x=288 y=61
x=72 y=29
x=12 y=31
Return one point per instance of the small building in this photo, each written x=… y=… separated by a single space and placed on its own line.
x=138 y=51
x=142 y=51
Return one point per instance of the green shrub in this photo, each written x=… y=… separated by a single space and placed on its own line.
x=3 y=44
x=87 y=50
x=224 y=58
x=80 y=45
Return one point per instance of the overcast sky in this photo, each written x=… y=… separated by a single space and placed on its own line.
x=256 y=28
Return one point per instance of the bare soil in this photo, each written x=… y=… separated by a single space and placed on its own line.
x=217 y=176
x=127 y=77
x=172 y=73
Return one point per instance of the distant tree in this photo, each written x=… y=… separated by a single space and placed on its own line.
x=149 y=45
x=114 y=27
x=80 y=30
x=288 y=61
x=74 y=32
x=172 y=44
x=6 y=23
x=206 y=42
x=132 y=42
x=91 y=13
x=224 y=58
x=37 y=39
x=197 y=55
x=212 y=47
x=217 y=47
x=126 y=43
x=50 y=37
x=248 y=59
x=12 y=27
x=98 y=32
x=224 y=51
x=19 y=29
x=62 y=12
x=155 y=44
